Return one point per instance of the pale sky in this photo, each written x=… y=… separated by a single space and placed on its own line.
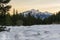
x=42 y=5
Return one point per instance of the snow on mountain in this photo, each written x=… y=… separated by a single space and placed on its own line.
x=35 y=32
x=37 y=13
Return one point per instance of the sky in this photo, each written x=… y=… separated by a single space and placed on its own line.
x=41 y=5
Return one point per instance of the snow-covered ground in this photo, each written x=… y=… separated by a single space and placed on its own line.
x=35 y=32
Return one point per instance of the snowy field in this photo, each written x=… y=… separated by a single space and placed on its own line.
x=35 y=32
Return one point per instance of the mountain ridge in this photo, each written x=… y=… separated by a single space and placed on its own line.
x=37 y=13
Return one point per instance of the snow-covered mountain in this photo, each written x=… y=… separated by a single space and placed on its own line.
x=37 y=13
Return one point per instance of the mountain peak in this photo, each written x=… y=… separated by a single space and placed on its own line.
x=37 y=13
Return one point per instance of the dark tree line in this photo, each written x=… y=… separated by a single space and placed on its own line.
x=54 y=19
x=19 y=19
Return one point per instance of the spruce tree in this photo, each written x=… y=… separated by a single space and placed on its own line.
x=4 y=8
